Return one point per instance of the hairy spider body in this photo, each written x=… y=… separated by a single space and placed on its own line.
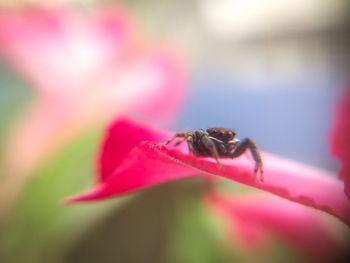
x=219 y=143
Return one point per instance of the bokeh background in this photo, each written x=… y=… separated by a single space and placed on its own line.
x=272 y=70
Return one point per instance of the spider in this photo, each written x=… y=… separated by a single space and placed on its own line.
x=219 y=143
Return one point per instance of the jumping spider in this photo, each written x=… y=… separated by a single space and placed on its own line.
x=219 y=143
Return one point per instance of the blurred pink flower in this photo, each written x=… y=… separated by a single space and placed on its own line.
x=133 y=157
x=341 y=138
x=86 y=67
x=252 y=220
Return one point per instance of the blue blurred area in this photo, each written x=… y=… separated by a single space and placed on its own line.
x=289 y=119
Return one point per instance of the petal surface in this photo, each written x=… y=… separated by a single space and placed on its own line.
x=122 y=136
x=142 y=163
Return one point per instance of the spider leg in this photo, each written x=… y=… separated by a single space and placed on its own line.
x=250 y=144
x=180 y=134
x=190 y=144
x=219 y=145
x=210 y=145
x=181 y=141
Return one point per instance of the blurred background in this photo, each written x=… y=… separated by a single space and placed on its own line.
x=273 y=70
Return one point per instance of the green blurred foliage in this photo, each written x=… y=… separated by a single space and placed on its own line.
x=201 y=237
x=41 y=225
x=138 y=232
x=198 y=237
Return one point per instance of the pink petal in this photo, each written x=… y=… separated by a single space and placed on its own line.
x=128 y=163
x=122 y=137
x=145 y=166
x=60 y=49
x=172 y=86
x=341 y=139
x=255 y=218
x=139 y=165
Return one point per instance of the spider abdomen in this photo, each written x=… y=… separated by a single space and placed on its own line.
x=222 y=134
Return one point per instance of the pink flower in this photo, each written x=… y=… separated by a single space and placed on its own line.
x=253 y=219
x=133 y=157
x=85 y=68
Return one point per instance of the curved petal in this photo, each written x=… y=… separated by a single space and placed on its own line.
x=341 y=139
x=122 y=136
x=140 y=165
x=252 y=219
x=146 y=165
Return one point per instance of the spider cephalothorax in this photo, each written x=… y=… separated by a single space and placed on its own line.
x=219 y=143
